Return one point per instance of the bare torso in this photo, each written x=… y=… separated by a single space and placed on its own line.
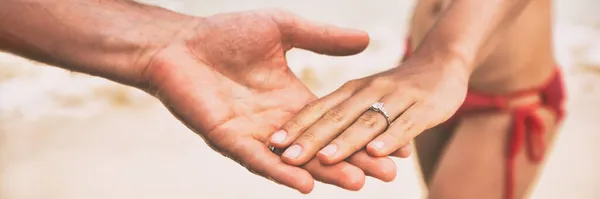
x=523 y=57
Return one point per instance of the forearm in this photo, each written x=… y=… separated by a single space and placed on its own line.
x=113 y=38
x=466 y=28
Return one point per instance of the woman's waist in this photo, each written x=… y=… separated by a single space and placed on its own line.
x=502 y=76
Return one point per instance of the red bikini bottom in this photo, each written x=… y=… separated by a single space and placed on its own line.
x=527 y=129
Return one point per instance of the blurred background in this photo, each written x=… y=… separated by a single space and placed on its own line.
x=71 y=136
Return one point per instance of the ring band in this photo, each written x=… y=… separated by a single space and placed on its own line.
x=378 y=107
x=271 y=148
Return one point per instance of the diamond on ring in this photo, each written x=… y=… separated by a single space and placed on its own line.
x=271 y=148
x=378 y=107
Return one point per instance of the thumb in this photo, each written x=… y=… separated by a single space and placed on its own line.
x=320 y=38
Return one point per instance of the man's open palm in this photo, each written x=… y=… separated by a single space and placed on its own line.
x=229 y=81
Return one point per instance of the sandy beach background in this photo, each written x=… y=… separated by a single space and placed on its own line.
x=70 y=136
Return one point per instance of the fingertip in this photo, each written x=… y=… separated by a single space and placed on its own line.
x=327 y=160
x=324 y=159
x=293 y=155
x=356 y=42
x=277 y=145
x=295 y=162
x=376 y=149
x=388 y=169
x=293 y=177
x=354 y=178
x=296 y=178
x=330 y=155
x=261 y=161
x=382 y=168
x=280 y=145
x=374 y=152
x=405 y=151
x=306 y=185
x=365 y=39
x=289 y=161
x=279 y=138
x=360 y=36
x=338 y=41
x=404 y=154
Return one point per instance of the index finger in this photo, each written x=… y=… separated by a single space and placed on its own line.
x=260 y=160
x=310 y=114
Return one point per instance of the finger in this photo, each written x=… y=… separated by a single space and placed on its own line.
x=310 y=114
x=260 y=160
x=368 y=126
x=328 y=127
x=350 y=175
x=403 y=152
x=318 y=37
x=343 y=174
x=382 y=168
x=403 y=129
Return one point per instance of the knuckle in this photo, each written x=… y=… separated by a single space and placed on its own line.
x=342 y=139
x=410 y=91
x=381 y=82
x=411 y=88
x=313 y=106
x=404 y=122
x=347 y=143
x=396 y=136
x=307 y=138
x=335 y=115
x=353 y=147
x=293 y=126
x=405 y=129
x=285 y=19
x=430 y=105
x=352 y=84
x=418 y=95
x=417 y=85
x=437 y=112
x=369 y=120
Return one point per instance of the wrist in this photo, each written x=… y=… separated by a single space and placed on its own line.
x=442 y=56
x=148 y=40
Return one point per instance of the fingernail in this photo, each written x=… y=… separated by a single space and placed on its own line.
x=278 y=137
x=293 y=152
x=329 y=150
x=377 y=145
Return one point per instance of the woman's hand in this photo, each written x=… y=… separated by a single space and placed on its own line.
x=417 y=95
